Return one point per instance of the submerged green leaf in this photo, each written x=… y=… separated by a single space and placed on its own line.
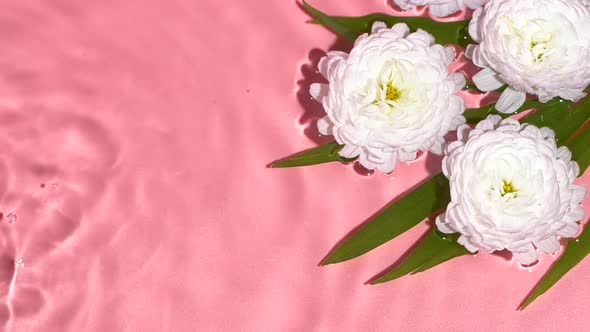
x=322 y=154
x=394 y=220
x=564 y=117
x=567 y=118
x=434 y=249
x=574 y=253
x=577 y=250
x=352 y=27
x=418 y=204
x=580 y=147
x=475 y=115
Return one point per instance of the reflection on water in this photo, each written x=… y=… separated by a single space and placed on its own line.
x=45 y=145
x=133 y=142
x=65 y=84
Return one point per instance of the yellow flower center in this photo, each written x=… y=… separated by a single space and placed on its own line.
x=392 y=93
x=508 y=188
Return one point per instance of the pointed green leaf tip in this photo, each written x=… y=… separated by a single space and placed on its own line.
x=574 y=253
x=394 y=220
x=434 y=249
x=322 y=154
x=564 y=117
x=578 y=249
x=352 y=27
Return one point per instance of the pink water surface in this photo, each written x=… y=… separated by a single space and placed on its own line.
x=135 y=137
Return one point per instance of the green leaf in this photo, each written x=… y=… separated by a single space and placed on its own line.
x=580 y=148
x=397 y=218
x=434 y=249
x=564 y=117
x=449 y=249
x=322 y=154
x=352 y=27
x=475 y=115
x=411 y=209
x=567 y=119
x=574 y=253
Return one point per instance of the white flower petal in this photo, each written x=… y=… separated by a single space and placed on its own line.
x=407 y=156
x=401 y=30
x=440 y=8
x=527 y=256
x=462 y=240
x=511 y=188
x=564 y=153
x=547 y=133
x=350 y=151
x=391 y=97
x=573 y=95
x=378 y=25
x=487 y=80
x=318 y=91
x=458 y=81
x=510 y=101
x=444 y=9
x=442 y=225
x=548 y=246
x=540 y=52
x=469 y=50
x=450 y=52
x=388 y=165
x=568 y=230
x=578 y=193
x=474 y=27
x=325 y=126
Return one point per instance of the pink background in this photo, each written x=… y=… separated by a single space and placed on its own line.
x=134 y=138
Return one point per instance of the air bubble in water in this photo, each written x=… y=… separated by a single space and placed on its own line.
x=11 y=218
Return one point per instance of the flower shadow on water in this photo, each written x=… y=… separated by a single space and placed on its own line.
x=312 y=109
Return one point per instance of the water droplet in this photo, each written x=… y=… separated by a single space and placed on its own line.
x=359 y=169
x=11 y=218
x=19 y=263
x=577 y=240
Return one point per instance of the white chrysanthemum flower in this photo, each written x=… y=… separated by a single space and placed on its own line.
x=511 y=188
x=441 y=8
x=391 y=97
x=540 y=47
